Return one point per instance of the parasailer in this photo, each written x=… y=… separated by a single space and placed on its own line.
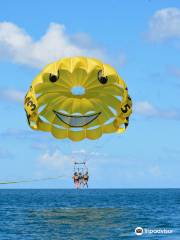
x=76 y=180
x=85 y=179
x=78 y=98
x=80 y=174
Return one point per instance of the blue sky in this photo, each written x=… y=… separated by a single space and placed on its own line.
x=141 y=39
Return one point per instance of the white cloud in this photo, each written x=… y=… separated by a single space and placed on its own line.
x=164 y=24
x=12 y=95
x=145 y=108
x=56 y=159
x=148 y=110
x=64 y=162
x=19 y=47
x=87 y=153
x=81 y=151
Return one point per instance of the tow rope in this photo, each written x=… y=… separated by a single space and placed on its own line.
x=31 y=180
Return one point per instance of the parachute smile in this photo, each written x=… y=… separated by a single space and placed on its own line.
x=76 y=121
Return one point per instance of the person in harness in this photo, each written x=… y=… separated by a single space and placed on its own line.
x=76 y=180
x=81 y=175
x=85 y=179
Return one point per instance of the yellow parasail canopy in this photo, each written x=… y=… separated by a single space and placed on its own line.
x=78 y=98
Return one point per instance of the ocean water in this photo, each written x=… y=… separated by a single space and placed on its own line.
x=88 y=214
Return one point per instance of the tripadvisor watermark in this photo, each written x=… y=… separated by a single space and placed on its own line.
x=140 y=231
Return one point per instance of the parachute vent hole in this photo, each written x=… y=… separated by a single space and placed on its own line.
x=41 y=108
x=78 y=90
x=109 y=121
x=63 y=112
x=58 y=126
x=113 y=110
x=90 y=112
x=94 y=127
x=76 y=129
x=119 y=85
x=44 y=119
x=76 y=114
x=38 y=95
x=118 y=98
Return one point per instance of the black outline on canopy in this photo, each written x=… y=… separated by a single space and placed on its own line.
x=75 y=116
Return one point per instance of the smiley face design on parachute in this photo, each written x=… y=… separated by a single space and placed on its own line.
x=78 y=98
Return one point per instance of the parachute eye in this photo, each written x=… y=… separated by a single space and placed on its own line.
x=53 y=78
x=102 y=80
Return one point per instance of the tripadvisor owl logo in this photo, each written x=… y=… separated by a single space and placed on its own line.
x=139 y=231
